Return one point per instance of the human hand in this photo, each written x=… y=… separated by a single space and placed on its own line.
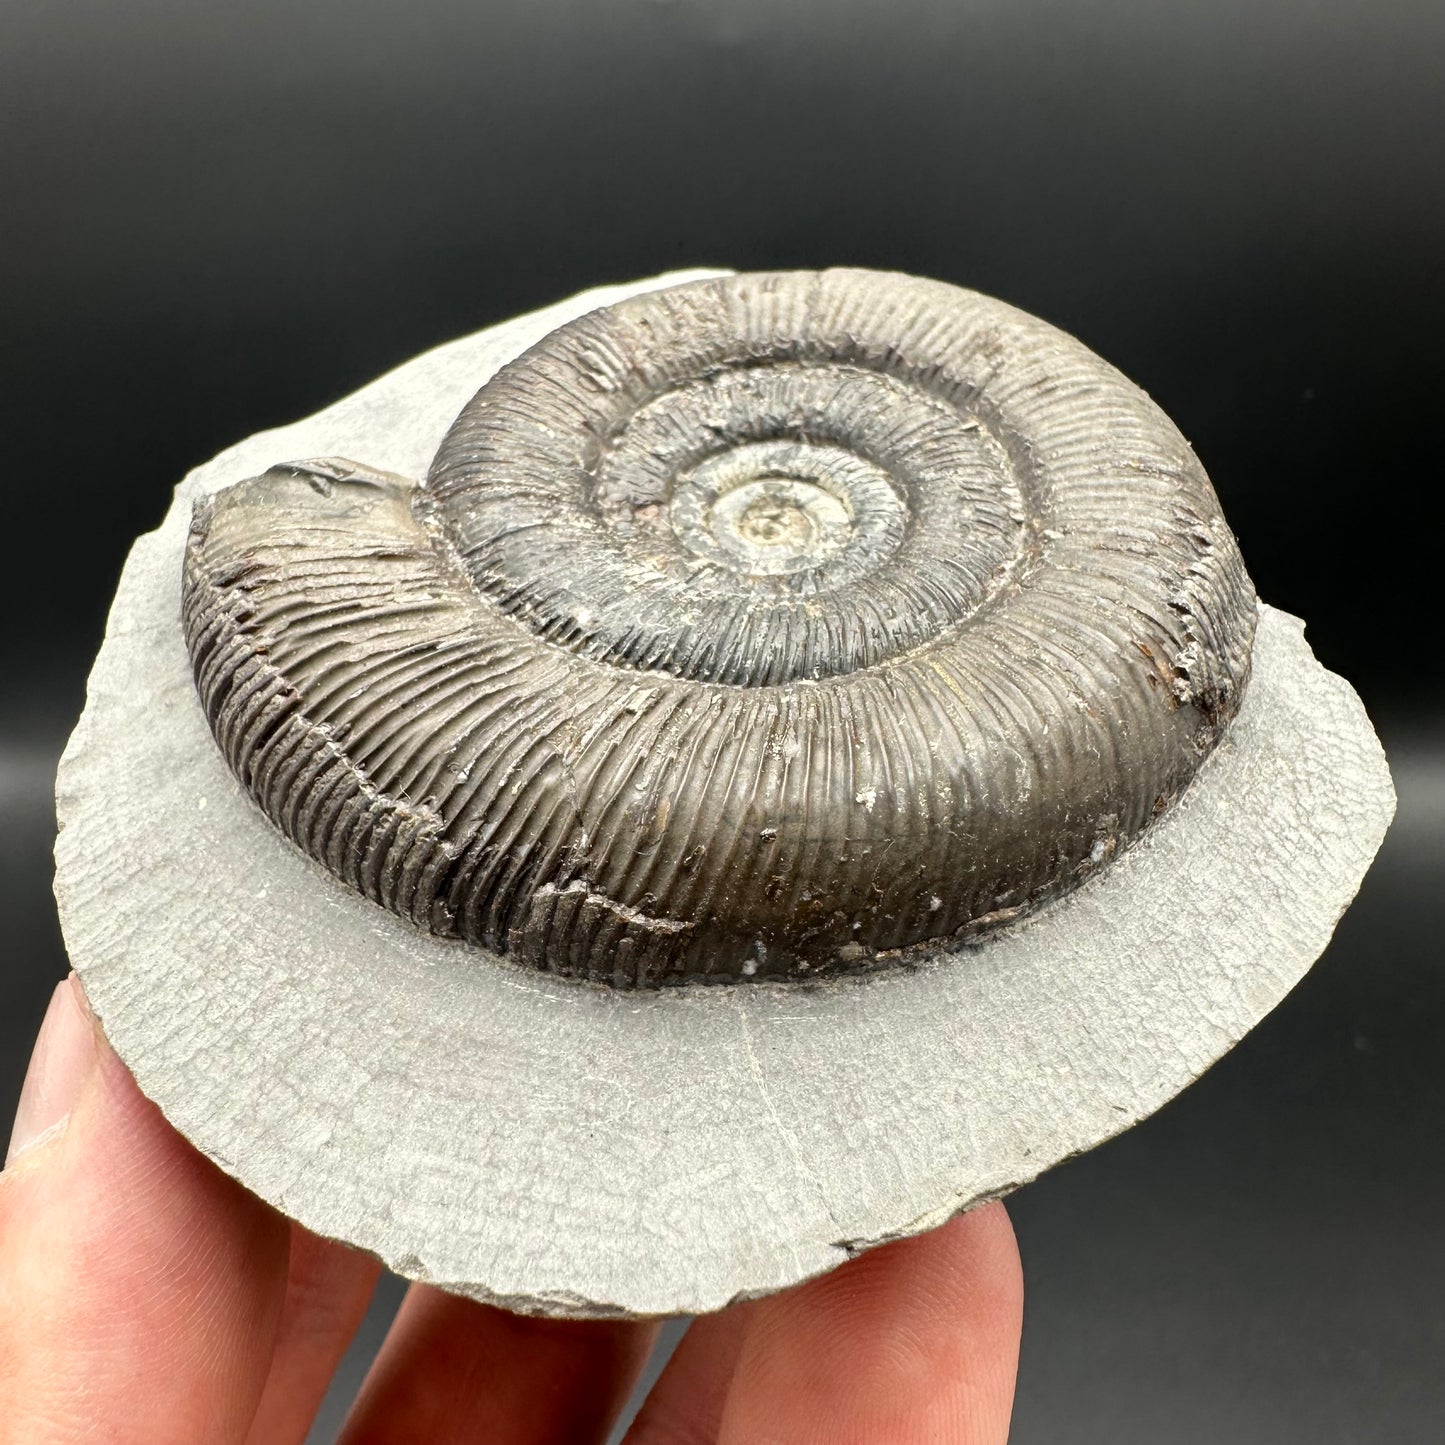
x=146 y=1297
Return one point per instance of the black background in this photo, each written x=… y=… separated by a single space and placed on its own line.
x=215 y=218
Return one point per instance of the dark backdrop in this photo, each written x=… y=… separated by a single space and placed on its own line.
x=219 y=217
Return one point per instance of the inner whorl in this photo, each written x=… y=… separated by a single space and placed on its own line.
x=766 y=627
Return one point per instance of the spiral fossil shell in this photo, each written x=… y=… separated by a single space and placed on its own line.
x=769 y=626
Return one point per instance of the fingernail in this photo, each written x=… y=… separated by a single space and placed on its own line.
x=59 y=1064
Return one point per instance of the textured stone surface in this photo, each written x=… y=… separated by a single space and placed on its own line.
x=560 y=1148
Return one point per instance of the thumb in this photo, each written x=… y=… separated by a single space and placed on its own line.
x=140 y=1288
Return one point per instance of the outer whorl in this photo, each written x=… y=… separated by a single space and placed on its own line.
x=769 y=626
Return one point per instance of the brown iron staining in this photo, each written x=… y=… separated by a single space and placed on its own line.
x=767 y=627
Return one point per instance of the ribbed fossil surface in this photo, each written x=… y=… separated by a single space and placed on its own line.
x=765 y=627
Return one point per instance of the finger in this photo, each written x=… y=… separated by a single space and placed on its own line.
x=910 y=1343
x=685 y=1406
x=328 y=1288
x=453 y=1371
x=142 y=1287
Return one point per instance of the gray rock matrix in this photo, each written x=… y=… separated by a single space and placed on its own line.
x=565 y=1148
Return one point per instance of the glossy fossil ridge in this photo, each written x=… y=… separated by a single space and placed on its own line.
x=768 y=626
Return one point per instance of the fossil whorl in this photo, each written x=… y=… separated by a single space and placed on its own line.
x=767 y=626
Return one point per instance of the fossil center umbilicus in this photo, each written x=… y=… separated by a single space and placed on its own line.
x=775 y=508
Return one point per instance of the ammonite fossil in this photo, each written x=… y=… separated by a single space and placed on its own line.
x=768 y=626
